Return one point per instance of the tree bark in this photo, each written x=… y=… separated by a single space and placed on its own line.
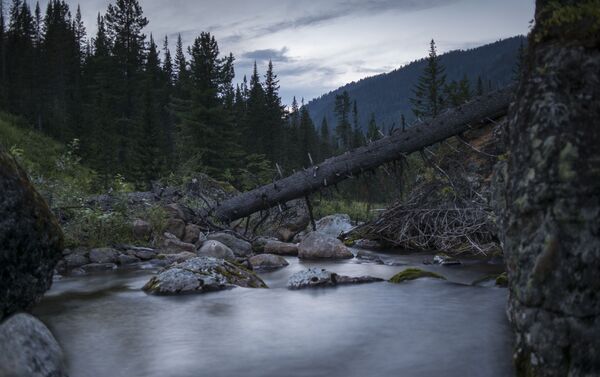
x=394 y=147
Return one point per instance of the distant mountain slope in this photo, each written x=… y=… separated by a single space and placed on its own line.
x=387 y=95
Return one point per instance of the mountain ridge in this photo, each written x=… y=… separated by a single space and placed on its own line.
x=387 y=95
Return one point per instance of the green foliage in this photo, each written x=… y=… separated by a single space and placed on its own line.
x=580 y=20
x=94 y=227
x=357 y=210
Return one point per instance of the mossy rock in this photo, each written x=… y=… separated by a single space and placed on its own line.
x=502 y=280
x=489 y=280
x=414 y=273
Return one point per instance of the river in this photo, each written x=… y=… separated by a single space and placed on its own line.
x=108 y=327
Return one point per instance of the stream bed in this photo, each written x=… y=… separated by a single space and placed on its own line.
x=109 y=327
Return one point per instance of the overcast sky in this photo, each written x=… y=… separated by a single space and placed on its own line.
x=319 y=45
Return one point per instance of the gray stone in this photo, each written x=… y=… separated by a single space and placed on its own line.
x=97 y=267
x=176 y=227
x=318 y=277
x=124 y=259
x=320 y=246
x=366 y=256
x=172 y=243
x=192 y=233
x=144 y=253
x=142 y=230
x=334 y=225
x=240 y=248
x=267 y=262
x=201 y=274
x=281 y=248
x=103 y=255
x=216 y=249
x=31 y=241
x=28 y=349
x=176 y=258
x=445 y=260
x=74 y=260
x=367 y=244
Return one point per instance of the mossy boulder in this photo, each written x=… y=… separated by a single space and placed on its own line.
x=31 y=241
x=201 y=275
x=412 y=274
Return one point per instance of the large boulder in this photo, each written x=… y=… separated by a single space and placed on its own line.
x=200 y=275
x=318 y=246
x=192 y=233
x=103 y=255
x=31 y=240
x=240 y=247
x=281 y=248
x=216 y=249
x=267 y=262
x=176 y=227
x=285 y=225
x=28 y=349
x=175 y=245
x=318 y=277
x=548 y=196
x=334 y=225
x=142 y=230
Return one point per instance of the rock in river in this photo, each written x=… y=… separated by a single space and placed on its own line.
x=200 y=275
x=28 y=349
x=412 y=274
x=216 y=249
x=31 y=240
x=318 y=277
x=104 y=255
x=239 y=247
x=317 y=246
x=281 y=248
x=267 y=262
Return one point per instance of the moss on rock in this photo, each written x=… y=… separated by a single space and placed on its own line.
x=414 y=273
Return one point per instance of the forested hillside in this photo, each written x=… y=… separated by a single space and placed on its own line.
x=387 y=95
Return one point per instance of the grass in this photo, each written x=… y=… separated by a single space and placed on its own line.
x=357 y=210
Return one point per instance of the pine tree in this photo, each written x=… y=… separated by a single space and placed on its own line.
x=428 y=100
x=257 y=109
x=124 y=26
x=181 y=65
x=273 y=122
x=357 y=134
x=207 y=123
x=325 y=150
x=373 y=131
x=343 y=129
x=308 y=139
x=80 y=35
x=479 y=90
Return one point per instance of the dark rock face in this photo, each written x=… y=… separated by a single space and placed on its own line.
x=549 y=205
x=240 y=248
x=31 y=240
x=28 y=349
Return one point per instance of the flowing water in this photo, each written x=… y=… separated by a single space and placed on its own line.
x=109 y=327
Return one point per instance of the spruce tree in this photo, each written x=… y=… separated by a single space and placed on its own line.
x=343 y=128
x=257 y=109
x=273 y=122
x=325 y=150
x=373 y=131
x=428 y=100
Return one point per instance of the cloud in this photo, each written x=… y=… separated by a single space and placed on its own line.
x=340 y=9
x=268 y=54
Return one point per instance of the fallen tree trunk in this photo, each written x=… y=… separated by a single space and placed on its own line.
x=336 y=169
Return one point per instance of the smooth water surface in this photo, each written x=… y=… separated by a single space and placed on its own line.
x=109 y=327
